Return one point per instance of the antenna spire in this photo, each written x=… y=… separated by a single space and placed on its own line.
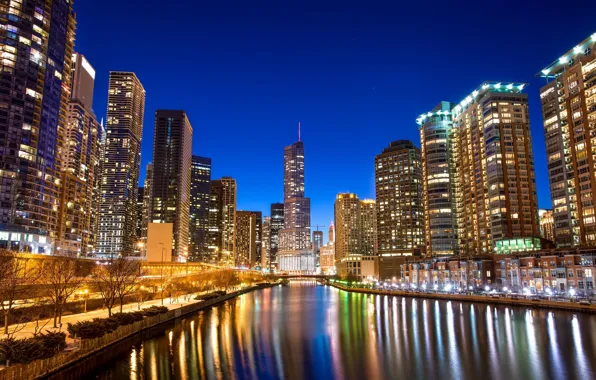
x=298 y=131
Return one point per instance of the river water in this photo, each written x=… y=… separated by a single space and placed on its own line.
x=310 y=331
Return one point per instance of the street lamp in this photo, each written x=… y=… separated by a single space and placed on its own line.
x=161 y=271
x=84 y=294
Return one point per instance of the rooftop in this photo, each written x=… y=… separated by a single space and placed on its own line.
x=558 y=66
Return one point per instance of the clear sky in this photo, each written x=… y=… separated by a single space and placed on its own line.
x=355 y=74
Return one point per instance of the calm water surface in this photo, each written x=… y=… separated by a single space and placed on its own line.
x=308 y=331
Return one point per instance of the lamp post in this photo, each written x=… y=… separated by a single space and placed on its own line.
x=161 y=275
x=85 y=295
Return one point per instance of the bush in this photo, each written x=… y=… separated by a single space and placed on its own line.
x=124 y=319
x=41 y=346
x=154 y=310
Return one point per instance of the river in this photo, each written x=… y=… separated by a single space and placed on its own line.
x=310 y=331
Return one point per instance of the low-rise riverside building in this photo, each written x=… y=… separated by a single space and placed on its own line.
x=565 y=271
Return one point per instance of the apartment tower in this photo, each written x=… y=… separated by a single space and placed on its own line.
x=121 y=165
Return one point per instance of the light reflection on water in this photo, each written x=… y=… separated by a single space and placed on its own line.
x=317 y=332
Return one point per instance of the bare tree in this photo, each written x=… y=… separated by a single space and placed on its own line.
x=14 y=278
x=165 y=281
x=62 y=280
x=106 y=284
x=128 y=275
x=225 y=278
x=117 y=280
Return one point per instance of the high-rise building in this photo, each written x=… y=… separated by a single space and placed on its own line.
x=258 y=235
x=146 y=210
x=140 y=203
x=81 y=167
x=222 y=221
x=368 y=227
x=121 y=165
x=497 y=208
x=37 y=49
x=438 y=180
x=295 y=251
x=200 y=191
x=266 y=243
x=400 y=212
x=170 y=192
x=569 y=116
x=355 y=236
x=246 y=244
x=277 y=224
x=547 y=224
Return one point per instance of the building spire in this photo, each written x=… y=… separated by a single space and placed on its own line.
x=298 y=131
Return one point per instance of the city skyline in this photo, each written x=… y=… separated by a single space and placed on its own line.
x=217 y=103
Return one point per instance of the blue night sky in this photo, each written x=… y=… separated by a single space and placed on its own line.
x=356 y=75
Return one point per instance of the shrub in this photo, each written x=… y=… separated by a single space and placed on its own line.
x=41 y=346
x=124 y=319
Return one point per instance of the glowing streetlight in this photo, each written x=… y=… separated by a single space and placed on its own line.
x=572 y=292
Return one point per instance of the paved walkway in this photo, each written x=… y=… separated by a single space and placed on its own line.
x=28 y=330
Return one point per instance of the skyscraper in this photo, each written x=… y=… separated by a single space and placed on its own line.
x=355 y=236
x=172 y=159
x=570 y=131
x=36 y=78
x=120 y=169
x=258 y=235
x=497 y=208
x=81 y=167
x=400 y=213
x=438 y=180
x=146 y=210
x=547 y=224
x=200 y=190
x=245 y=234
x=277 y=224
x=295 y=251
x=222 y=220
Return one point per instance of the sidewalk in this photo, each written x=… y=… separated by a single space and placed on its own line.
x=29 y=329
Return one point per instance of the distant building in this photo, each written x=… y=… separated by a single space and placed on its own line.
x=277 y=223
x=327 y=259
x=222 y=221
x=317 y=240
x=547 y=224
x=258 y=235
x=139 y=232
x=146 y=211
x=121 y=165
x=245 y=254
x=200 y=191
x=266 y=244
x=170 y=192
x=568 y=112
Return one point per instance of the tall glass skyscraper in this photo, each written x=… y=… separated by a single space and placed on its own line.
x=200 y=190
x=172 y=161
x=122 y=160
x=295 y=251
x=37 y=48
x=277 y=224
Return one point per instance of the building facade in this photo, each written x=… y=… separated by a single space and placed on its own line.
x=355 y=237
x=222 y=221
x=547 y=224
x=569 y=116
x=146 y=211
x=200 y=190
x=317 y=241
x=36 y=78
x=170 y=192
x=121 y=165
x=246 y=242
x=400 y=213
x=438 y=181
x=81 y=167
